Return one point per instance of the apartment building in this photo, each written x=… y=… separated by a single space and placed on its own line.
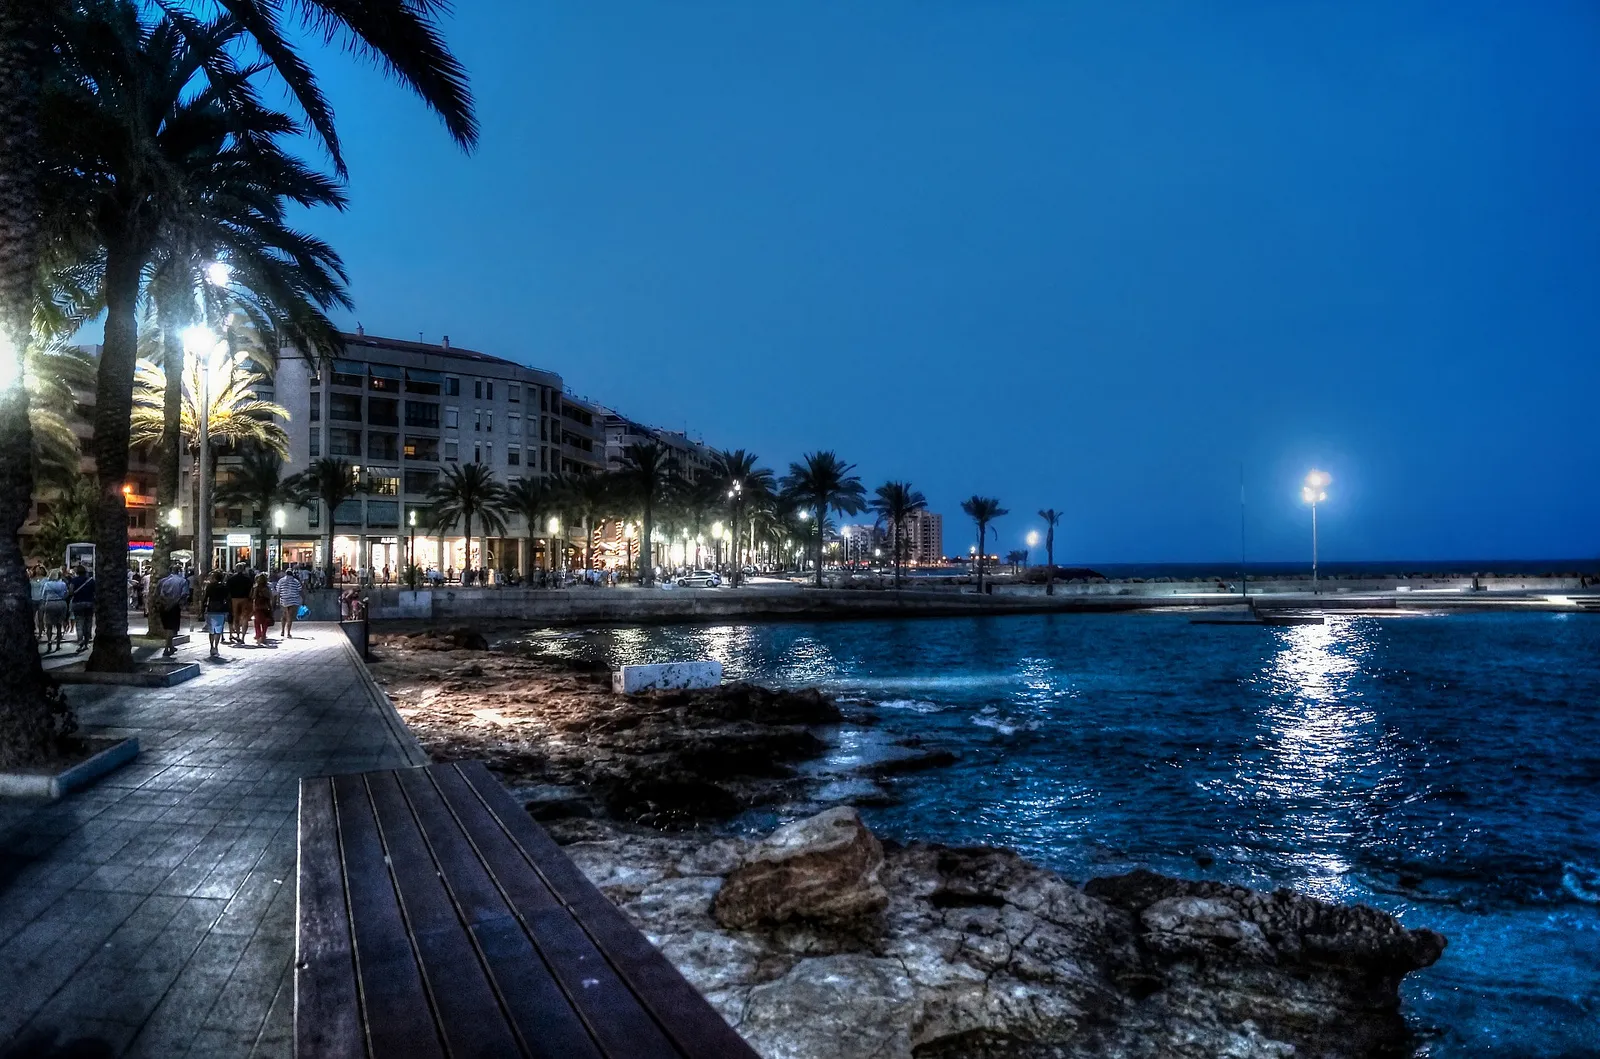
x=400 y=412
x=924 y=538
x=694 y=458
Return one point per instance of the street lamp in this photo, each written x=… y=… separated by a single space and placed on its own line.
x=553 y=527
x=279 y=517
x=411 y=548
x=1314 y=492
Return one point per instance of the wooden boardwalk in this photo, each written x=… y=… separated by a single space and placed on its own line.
x=437 y=919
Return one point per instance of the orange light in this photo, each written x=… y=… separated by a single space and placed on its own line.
x=127 y=490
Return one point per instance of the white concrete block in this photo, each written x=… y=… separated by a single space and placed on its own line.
x=662 y=676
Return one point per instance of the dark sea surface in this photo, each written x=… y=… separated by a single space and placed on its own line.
x=1446 y=769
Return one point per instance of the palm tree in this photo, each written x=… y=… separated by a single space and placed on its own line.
x=470 y=491
x=69 y=520
x=822 y=481
x=331 y=481
x=402 y=35
x=982 y=510
x=648 y=468
x=734 y=472
x=258 y=482
x=897 y=502
x=531 y=498
x=1051 y=517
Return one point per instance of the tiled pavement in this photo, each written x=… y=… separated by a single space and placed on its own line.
x=153 y=914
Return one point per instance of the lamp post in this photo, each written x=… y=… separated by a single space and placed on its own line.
x=553 y=527
x=1033 y=542
x=411 y=548
x=1313 y=493
x=279 y=517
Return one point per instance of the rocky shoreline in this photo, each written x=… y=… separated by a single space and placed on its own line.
x=820 y=940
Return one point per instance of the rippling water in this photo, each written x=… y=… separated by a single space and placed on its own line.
x=1446 y=769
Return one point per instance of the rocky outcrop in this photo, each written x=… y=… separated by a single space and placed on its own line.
x=824 y=869
x=977 y=953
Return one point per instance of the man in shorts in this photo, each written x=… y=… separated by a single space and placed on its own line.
x=239 y=584
x=168 y=598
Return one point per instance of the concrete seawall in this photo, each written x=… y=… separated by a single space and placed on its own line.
x=581 y=605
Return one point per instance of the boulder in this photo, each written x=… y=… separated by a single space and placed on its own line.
x=822 y=869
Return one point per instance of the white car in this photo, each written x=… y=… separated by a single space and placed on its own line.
x=699 y=579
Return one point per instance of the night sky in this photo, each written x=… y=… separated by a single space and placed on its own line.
x=1099 y=257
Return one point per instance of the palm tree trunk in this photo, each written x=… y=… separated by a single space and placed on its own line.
x=819 y=513
x=1050 y=560
x=467 y=515
x=113 y=411
x=327 y=556
x=647 y=565
x=169 y=451
x=33 y=713
x=982 y=533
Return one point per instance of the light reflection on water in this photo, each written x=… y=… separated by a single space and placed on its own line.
x=1447 y=769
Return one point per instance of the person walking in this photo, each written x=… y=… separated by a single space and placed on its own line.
x=290 y=595
x=81 y=600
x=54 y=597
x=261 y=607
x=239 y=585
x=217 y=606
x=167 y=596
x=36 y=581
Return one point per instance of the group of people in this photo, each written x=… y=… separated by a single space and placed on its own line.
x=229 y=604
x=63 y=602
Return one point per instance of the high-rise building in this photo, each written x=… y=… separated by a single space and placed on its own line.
x=924 y=538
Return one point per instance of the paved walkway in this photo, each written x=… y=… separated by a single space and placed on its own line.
x=153 y=914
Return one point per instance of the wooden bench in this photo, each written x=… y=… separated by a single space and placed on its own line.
x=436 y=919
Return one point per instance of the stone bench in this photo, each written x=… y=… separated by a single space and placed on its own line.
x=435 y=918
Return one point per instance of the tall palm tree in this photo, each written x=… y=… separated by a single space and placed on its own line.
x=329 y=481
x=467 y=492
x=401 y=35
x=982 y=510
x=532 y=498
x=648 y=470
x=897 y=502
x=822 y=481
x=258 y=482
x=1051 y=518
x=746 y=486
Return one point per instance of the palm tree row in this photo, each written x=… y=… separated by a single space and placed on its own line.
x=135 y=149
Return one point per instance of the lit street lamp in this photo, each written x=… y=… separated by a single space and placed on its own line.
x=278 y=519
x=411 y=548
x=1033 y=542
x=1313 y=493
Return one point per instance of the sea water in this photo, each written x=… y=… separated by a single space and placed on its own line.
x=1443 y=768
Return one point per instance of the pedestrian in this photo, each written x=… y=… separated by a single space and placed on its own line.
x=289 y=597
x=217 y=605
x=55 y=609
x=36 y=593
x=81 y=600
x=261 y=607
x=167 y=596
x=239 y=585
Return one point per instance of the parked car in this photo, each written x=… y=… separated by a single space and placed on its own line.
x=699 y=579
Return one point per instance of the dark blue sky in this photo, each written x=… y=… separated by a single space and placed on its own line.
x=1089 y=256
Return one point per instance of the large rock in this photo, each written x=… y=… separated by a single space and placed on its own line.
x=824 y=869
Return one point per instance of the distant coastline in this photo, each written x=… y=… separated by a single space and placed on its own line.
x=1374 y=567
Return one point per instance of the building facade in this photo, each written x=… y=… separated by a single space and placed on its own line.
x=924 y=538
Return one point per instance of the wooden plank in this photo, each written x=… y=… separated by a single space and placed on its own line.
x=470 y=1015
x=327 y=1011
x=610 y=1008
x=687 y=1018
x=536 y=1004
x=398 y=1013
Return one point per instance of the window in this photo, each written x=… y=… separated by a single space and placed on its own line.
x=514 y=424
x=514 y=393
x=421 y=448
x=544 y=429
x=422 y=414
x=452 y=417
x=316 y=442
x=344 y=406
x=544 y=399
x=477 y=452
x=316 y=408
x=422 y=382
x=488 y=421
x=383 y=411
x=477 y=419
x=344 y=443
x=477 y=389
x=314 y=519
x=488 y=390
x=452 y=386
x=383 y=512
x=488 y=452
x=383 y=447
x=385 y=378
x=349 y=373
x=544 y=460
x=421 y=481
x=450 y=449
x=348 y=513
x=383 y=483
x=514 y=456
